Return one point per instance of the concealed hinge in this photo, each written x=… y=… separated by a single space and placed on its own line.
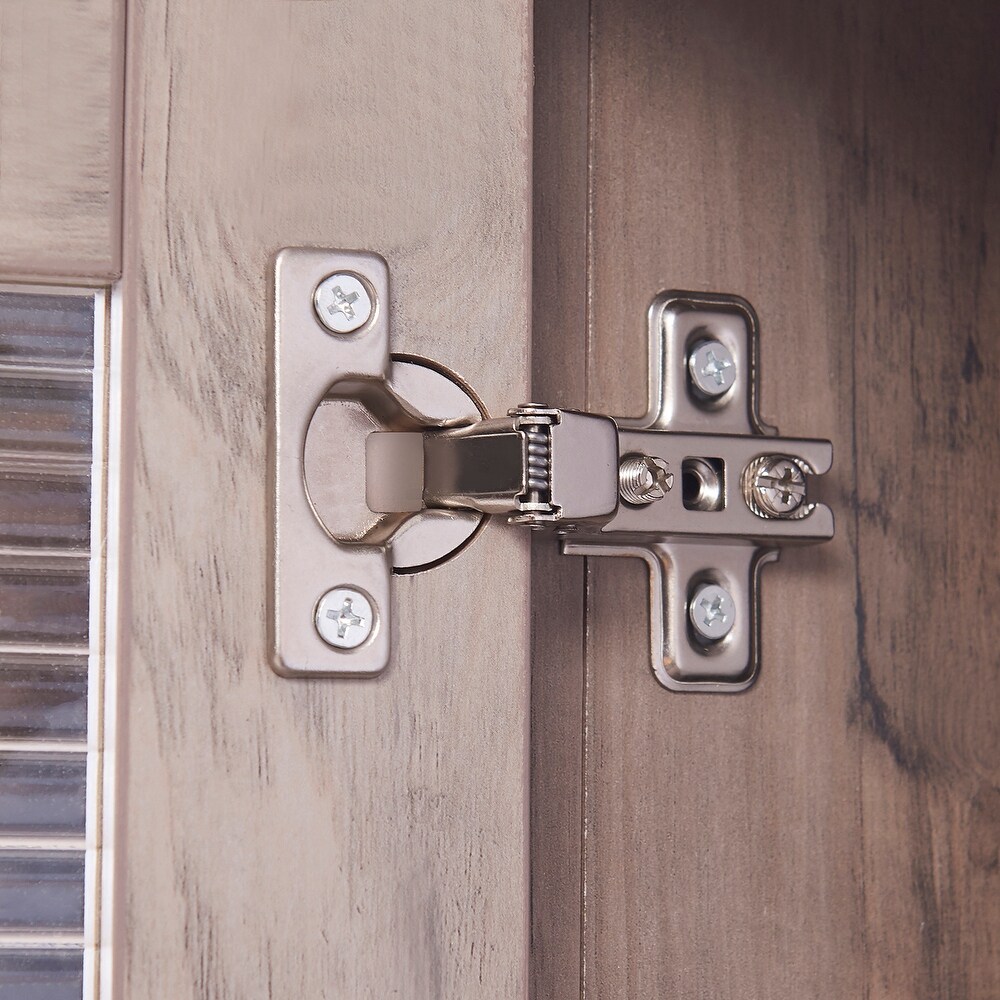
x=389 y=464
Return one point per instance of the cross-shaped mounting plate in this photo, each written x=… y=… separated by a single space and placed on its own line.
x=687 y=541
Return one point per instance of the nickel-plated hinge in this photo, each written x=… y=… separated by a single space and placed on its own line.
x=697 y=487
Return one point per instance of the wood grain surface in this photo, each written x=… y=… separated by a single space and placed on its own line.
x=334 y=839
x=559 y=359
x=833 y=832
x=61 y=92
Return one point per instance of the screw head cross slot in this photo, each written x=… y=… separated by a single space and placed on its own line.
x=344 y=618
x=779 y=487
x=712 y=369
x=712 y=612
x=643 y=479
x=343 y=303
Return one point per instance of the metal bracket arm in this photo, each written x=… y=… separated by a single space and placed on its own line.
x=568 y=475
x=607 y=491
x=698 y=488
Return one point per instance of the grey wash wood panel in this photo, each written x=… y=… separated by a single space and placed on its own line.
x=60 y=138
x=328 y=838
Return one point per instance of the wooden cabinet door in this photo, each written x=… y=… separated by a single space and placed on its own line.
x=316 y=838
x=833 y=831
x=280 y=837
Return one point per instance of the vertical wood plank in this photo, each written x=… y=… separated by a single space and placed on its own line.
x=328 y=838
x=61 y=91
x=559 y=356
x=724 y=829
x=926 y=287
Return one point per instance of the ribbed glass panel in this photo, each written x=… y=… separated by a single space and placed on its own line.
x=47 y=358
x=43 y=699
x=46 y=974
x=40 y=328
x=45 y=415
x=44 y=510
x=46 y=606
x=42 y=794
x=41 y=890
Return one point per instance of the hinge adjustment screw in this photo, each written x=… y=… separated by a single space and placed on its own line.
x=643 y=479
x=775 y=487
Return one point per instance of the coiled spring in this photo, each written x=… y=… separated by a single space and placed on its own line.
x=538 y=459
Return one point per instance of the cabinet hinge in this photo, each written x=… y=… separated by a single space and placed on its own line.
x=389 y=464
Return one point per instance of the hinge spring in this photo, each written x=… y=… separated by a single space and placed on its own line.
x=538 y=461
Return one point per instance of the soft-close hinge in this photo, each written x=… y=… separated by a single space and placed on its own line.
x=395 y=463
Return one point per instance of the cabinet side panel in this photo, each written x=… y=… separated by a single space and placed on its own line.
x=724 y=855
x=925 y=287
x=832 y=832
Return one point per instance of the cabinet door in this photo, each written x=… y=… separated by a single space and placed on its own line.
x=287 y=837
x=316 y=838
x=834 y=830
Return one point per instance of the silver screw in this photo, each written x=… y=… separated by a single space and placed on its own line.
x=712 y=369
x=344 y=617
x=342 y=302
x=712 y=612
x=642 y=479
x=778 y=487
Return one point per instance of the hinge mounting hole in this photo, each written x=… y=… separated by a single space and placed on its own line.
x=703 y=483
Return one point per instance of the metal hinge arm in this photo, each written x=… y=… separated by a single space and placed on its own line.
x=572 y=472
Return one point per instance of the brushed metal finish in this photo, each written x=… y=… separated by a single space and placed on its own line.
x=364 y=482
x=735 y=520
x=336 y=522
x=372 y=463
x=307 y=562
x=717 y=539
x=678 y=320
x=677 y=663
